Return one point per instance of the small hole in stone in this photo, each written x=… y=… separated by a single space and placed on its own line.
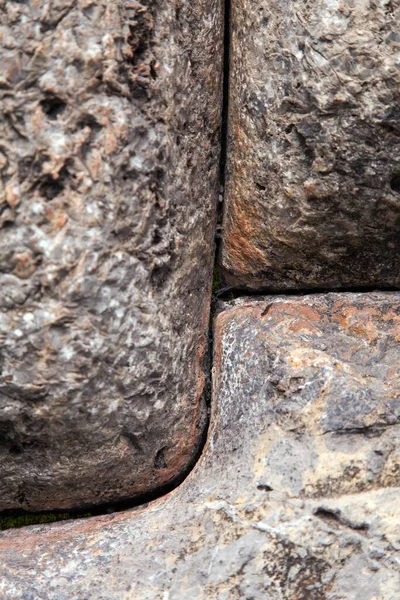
x=153 y=71
x=263 y=487
x=20 y=497
x=159 y=461
x=53 y=106
x=157 y=237
x=395 y=183
x=90 y=121
x=7 y=224
x=159 y=275
x=45 y=27
x=50 y=188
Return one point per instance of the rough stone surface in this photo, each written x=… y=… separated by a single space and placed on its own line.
x=296 y=495
x=313 y=180
x=108 y=173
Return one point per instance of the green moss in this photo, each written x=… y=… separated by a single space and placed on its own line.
x=216 y=280
x=23 y=520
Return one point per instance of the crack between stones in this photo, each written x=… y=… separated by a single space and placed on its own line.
x=225 y=92
x=233 y=292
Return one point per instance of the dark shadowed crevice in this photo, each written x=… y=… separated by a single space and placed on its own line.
x=225 y=92
x=217 y=278
x=233 y=292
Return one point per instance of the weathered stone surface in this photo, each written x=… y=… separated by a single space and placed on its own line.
x=108 y=157
x=313 y=180
x=296 y=495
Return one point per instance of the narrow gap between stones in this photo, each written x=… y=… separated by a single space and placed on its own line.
x=11 y=519
x=225 y=94
x=217 y=282
x=233 y=292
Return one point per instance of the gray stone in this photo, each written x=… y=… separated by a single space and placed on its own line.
x=296 y=494
x=109 y=171
x=313 y=178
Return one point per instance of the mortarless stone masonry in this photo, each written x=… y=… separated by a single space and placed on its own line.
x=108 y=180
x=296 y=495
x=313 y=180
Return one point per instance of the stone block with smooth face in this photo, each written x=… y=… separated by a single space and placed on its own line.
x=109 y=166
x=313 y=180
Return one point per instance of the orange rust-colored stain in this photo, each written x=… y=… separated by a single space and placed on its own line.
x=297 y=310
x=300 y=325
x=359 y=320
x=242 y=253
x=241 y=235
x=308 y=312
x=56 y=217
x=242 y=224
x=390 y=315
x=395 y=332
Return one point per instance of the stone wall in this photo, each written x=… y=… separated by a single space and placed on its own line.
x=107 y=289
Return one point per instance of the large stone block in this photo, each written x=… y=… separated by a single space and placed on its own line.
x=296 y=494
x=109 y=158
x=313 y=179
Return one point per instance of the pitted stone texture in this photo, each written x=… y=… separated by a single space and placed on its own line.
x=296 y=495
x=109 y=156
x=313 y=179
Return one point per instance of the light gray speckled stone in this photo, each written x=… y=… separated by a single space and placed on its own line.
x=313 y=178
x=110 y=117
x=296 y=495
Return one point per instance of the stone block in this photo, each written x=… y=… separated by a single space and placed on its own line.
x=296 y=494
x=313 y=179
x=109 y=172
